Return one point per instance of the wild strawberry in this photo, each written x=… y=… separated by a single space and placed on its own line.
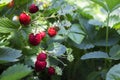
x=42 y=56
x=11 y=4
x=34 y=39
x=40 y=65
x=33 y=8
x=52 y=31
x=24 y=18
x=43 y=34
x=51 y=71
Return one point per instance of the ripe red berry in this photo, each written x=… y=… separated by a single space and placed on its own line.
x=51 y=71
x=42 y=56
x=34 y=39
x=52 y=31
x=43 y=34
x=40 y=65
x=33 y=8
x=24 y=18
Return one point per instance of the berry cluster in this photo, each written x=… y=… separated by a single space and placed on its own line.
x=35 y=39
x=41 y=63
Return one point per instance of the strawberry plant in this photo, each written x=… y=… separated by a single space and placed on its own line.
x=59 y=40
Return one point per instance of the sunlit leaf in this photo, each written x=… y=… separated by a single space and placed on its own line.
x=9 y=55
x=96 y=54
x=56 y=49
x=76 y=33
x=16 y=72
x=115 y=52
x=114 y=73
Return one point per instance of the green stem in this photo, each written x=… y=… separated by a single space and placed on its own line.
x=107 y=32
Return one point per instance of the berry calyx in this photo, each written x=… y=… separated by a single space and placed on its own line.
x=51 y=70
x=24 y=18
x=52 y=31
x=40 y=65
x=35 y=39
x=42 y=56
x=33 y=8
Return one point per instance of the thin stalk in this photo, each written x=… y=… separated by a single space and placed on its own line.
x=107 y=32
x=107 y=61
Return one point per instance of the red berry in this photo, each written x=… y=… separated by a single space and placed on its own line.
x=34 y=39
x=43 y=34
x=24 y=18
x=40 y=65
x=52 y=31
x=51 y=71
x=33 y=8
x=42 y=56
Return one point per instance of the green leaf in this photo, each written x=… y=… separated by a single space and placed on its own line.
x=115 y=52
x=100 y=39
x=7 y=26
x=84 y=14
x=4 y=43
x=118 y=31
x=76 y=28
x=65 y=23
x=96 y=54
x=113 y=4
x=6 y=30
x=90 y=32
x=113 y=21
x=76 y=33
x=95 y=22
x=108 y=5
x=2 y=6
x=56 y=49
x=77 y=38
x=9 y=55
x=97 y=75
x=85 y=44
x=68 y=9
x=101 y=3
x=114 y=73
x=117 y=26
x=22 y=2
x=16 y=72
x=5 y=22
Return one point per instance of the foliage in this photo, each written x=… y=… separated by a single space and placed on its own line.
x=84 y=46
